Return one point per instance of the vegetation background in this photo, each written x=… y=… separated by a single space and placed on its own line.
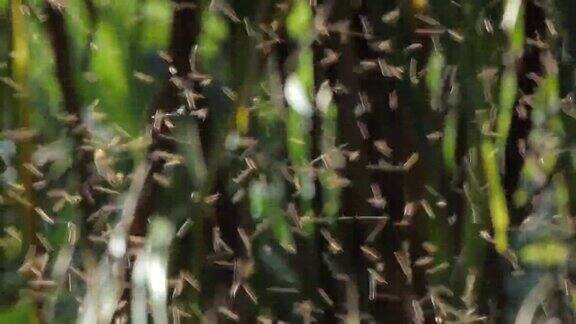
x=355 y=161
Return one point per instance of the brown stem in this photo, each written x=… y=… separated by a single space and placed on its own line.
x=528 y=65
x=353 y=198
x=65 y=76
x=185 y=26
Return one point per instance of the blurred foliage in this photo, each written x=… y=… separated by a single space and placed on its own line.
x=287 y=160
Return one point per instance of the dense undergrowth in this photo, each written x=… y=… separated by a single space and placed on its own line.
x=357 y=161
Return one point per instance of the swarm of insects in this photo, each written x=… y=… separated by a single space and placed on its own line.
x=291 y=161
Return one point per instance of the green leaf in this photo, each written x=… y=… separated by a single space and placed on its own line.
x=108 y=65
x=496 y=197
x=22 y=313
x=508 y=90
x=547 y=254
x=156 y=18
x=214 y=32
x=449 y=140
x=265 y=204
x=434 y=78
x=299 y=21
